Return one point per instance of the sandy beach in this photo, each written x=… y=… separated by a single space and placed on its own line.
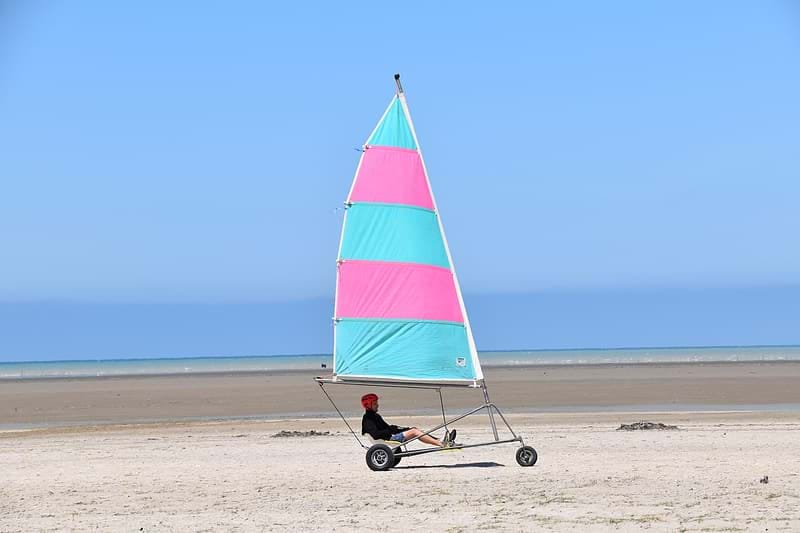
x=179 y=473
x=238 y=477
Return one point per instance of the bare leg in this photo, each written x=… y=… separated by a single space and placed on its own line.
x=427 y=439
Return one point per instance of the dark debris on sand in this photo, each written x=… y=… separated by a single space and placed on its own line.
x=644 y=425
x=312 y=433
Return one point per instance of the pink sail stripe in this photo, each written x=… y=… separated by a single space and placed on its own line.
x=392 y=176
x=374 y=289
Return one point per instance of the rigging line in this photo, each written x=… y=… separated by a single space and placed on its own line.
x=321 y=386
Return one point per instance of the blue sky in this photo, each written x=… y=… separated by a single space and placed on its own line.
x=195 y=155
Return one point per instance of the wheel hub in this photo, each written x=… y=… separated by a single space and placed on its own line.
x=380 y=457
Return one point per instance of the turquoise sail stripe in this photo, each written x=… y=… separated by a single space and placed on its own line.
x=424 y=350
x=393 y=129
x=387 y=232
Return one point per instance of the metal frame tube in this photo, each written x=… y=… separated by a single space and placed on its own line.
x=444 y=417
x=412 y=453
x=321 y=386
x=488 y=406
x=398 y=385
x=409 y=453
x=491 y=416
x=507 y=424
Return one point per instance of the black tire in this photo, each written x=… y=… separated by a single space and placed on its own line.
x=380 y=457
x=527 y=456
x=397 y=459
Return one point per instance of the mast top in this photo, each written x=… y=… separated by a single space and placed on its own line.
x=399 y=85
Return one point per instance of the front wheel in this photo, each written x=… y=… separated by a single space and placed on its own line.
x=380 y=457
x=527 y=456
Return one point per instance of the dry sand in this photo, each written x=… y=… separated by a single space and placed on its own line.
x=235 y=476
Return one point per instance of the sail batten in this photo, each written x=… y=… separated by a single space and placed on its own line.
x=399 y=314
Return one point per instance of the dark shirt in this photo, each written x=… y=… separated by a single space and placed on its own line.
x=373 y=424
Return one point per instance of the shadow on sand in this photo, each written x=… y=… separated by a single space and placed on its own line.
x=485 y=464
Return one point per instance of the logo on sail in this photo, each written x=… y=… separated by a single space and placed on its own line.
x=461 y=361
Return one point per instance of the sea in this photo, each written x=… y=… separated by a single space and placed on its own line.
x=277 y=363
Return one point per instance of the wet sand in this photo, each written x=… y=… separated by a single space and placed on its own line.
x=663 y=387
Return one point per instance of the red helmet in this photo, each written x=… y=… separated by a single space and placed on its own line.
x=367 y=399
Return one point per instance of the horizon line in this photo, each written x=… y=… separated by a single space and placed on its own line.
x=595 y=349
x=478 y=293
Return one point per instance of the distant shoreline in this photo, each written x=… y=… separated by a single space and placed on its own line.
x=480 y=352
x=311 y=373
x=321 y=363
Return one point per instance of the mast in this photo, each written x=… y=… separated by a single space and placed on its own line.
x=473 y=351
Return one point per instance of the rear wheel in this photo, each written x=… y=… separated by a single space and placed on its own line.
x=380 y=457
x=396 y=458
x=527 y=456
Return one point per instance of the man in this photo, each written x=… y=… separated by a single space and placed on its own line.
x=373 y=424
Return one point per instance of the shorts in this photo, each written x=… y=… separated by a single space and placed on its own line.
x=399 y=437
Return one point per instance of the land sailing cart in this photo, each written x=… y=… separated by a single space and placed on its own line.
x=399 y=318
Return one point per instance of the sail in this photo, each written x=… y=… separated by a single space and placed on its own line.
x=399 y=314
